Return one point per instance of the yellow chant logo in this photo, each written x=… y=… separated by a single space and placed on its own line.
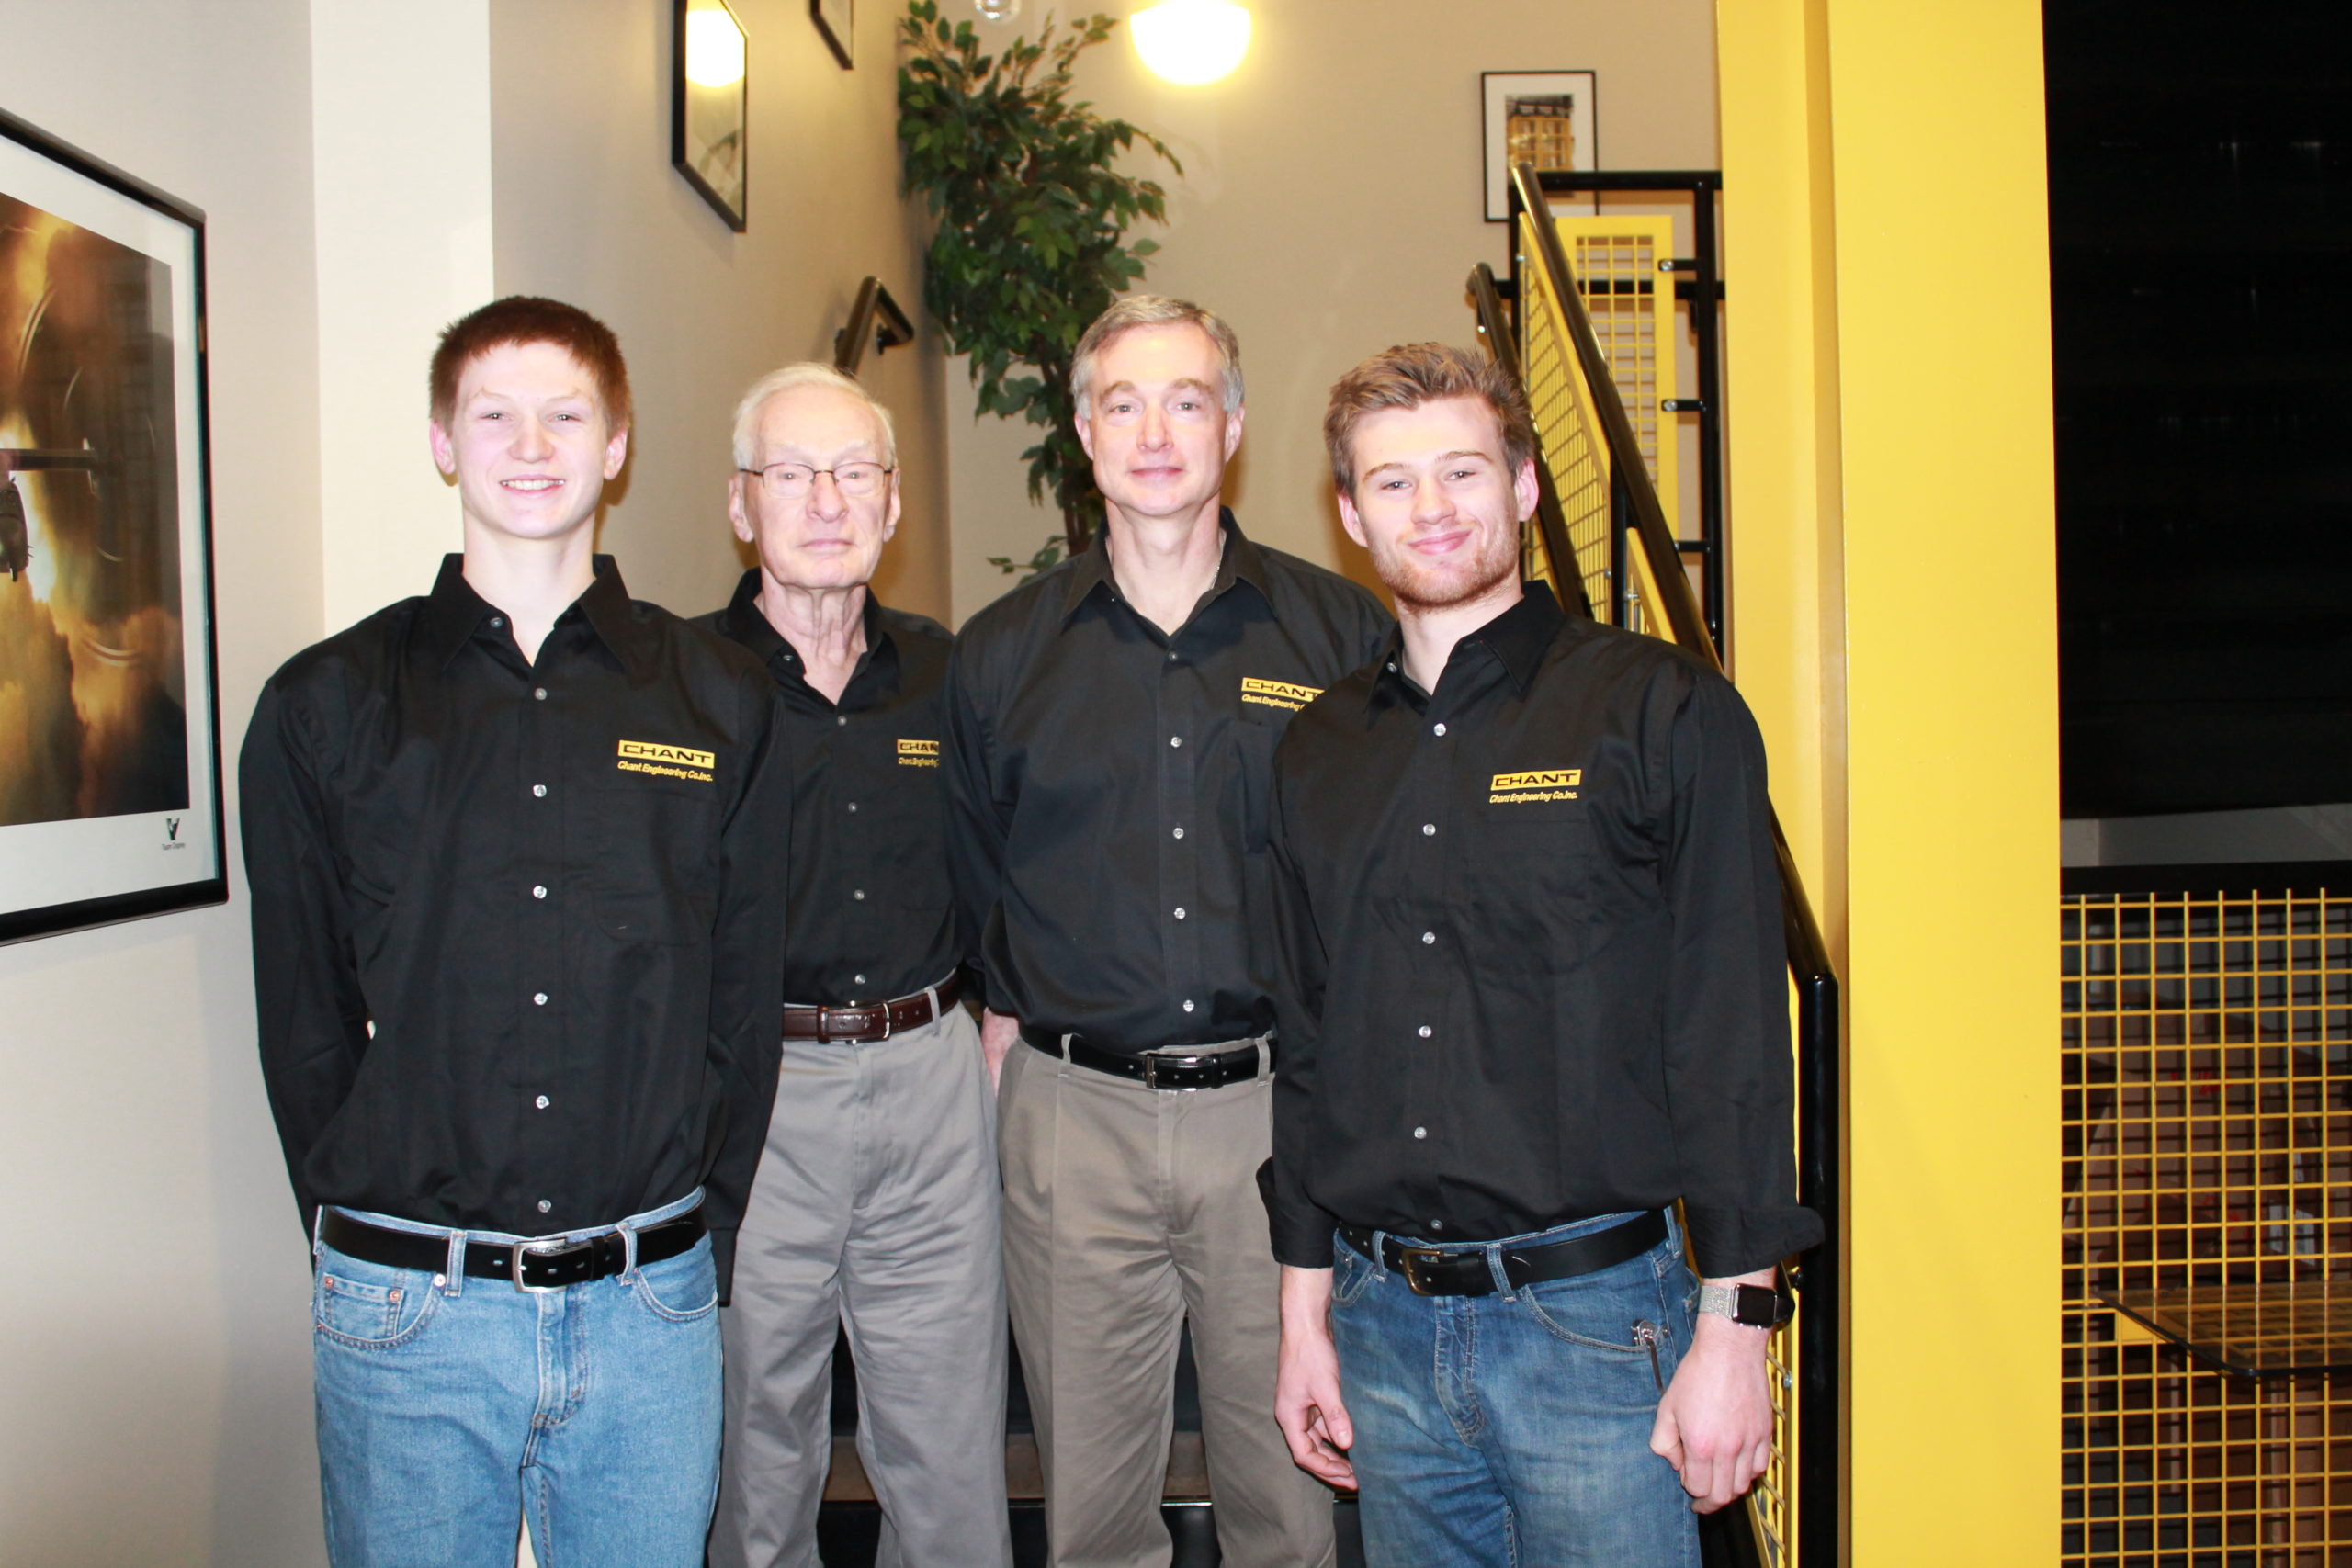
x=666 y=761
x=1277 y=693
x=918 y=753
x=1540 y=784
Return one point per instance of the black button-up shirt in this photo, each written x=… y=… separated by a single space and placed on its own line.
x=873 y=915
x=517 y=927
x=1534 y=960
x=1112 y=790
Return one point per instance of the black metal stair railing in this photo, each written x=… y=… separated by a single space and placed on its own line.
x=1604 y=528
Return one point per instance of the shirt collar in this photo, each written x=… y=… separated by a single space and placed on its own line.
x=1517 y=639
x=748 y=625
x=454 y=614
x=1241 y=562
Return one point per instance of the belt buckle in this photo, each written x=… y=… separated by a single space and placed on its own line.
x=1153 y=1063
x=522 y=1250
x=1407 y=1256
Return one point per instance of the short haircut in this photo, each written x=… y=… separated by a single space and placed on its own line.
x=808 y=373
x=1410 y=375
x=1135 y=311
x=520 y=319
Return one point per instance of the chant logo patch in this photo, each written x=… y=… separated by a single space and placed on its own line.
x=918 y=753
x=666 y=761
x=1277 y=693
x=1540 y=784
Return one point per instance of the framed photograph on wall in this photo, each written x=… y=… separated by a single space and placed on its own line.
x=109 y=716
x=837 y=19
x=1543 y=118
x=709 y=106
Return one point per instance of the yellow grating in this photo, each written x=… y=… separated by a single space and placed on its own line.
x=1568 y=431
x=2207 y=1128
x=1631 y=304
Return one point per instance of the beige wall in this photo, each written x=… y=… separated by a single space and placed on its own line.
x=1331 y=205
x=154 y=1357
x=589 y=209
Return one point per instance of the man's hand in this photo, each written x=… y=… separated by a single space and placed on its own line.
x=997 y=1034
x=1714 y=1424
x=1307 y=1381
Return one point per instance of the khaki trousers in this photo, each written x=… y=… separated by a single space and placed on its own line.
x=875 y=1209
x=1126 y=1210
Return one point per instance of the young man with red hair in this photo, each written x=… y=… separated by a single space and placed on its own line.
x=516 y=852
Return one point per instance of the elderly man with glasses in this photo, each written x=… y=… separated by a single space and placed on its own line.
x=876 y=1203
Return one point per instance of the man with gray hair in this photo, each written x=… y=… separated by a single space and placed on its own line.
x=1112 y=730
x=876 y=1203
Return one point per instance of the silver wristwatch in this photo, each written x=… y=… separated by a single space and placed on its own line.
x=1756 y=1306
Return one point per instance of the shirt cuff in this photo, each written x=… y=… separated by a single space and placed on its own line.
x=1300 y=1233
x=1728 y=1242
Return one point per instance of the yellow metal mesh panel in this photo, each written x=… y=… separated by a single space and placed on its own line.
x=1567 y=431
x=2207 y=1057
x=1631 y=304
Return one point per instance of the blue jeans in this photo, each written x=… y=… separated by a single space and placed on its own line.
x=447 y=1405
x=1513 y=1428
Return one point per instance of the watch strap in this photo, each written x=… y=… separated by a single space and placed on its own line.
x=1753 y=1306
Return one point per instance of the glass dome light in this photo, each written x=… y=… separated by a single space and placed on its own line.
x=713 y=50
x=1192 y=41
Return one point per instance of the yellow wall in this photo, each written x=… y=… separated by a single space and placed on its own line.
x=1884 y=214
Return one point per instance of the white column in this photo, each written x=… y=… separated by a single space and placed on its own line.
x=401 y=117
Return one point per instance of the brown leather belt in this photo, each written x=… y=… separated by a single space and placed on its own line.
x=874 y=1020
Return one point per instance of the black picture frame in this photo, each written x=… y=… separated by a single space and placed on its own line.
x=1577 y=93
x=837 y=21
x=105 y=549
x=710 y=118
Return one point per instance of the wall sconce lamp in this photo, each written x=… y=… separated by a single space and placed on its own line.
x=1192 y=41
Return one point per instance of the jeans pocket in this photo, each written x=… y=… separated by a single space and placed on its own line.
x=680 y=1289
x=1616 y=1309
x=1351 y=1273
x=368 y=1307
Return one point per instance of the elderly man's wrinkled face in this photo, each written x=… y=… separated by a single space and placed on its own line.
x=820 y=505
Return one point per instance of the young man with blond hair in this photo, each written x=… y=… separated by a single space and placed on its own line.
x=1533 y=998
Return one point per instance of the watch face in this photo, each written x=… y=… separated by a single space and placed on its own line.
x=1758 y=1306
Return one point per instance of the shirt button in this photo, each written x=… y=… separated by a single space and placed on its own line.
x=840 y=718
x=538 y=892
x=539 y=692
x=1429 y=939
x=1188 y=1007
x=544 y=1205
x=1429 y=830
x=1437 y=1225
x=1180 y=911
x=857 y=979
x=1392 y=667
x=1420 y=1132
x=1437 y=730
x=853 y=805
x=538 y=999
x=540 y=790
x=1175 y=740
x=1179 y=833
x=498 y=620
x=541 y=1103
x=1426 y=1031
x=858 y=894
x=1171 y=656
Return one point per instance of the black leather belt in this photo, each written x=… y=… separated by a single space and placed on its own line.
x=529 y=1265
x=874 y=1020
x=1462 y=1271
x=1205 y=1069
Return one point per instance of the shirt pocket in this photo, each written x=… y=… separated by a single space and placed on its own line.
x=646 y=853
x=1533 y=886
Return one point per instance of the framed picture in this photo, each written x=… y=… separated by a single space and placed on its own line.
x=837 y=19
x=710 y=118
x=1543 y=118
x=109 y=718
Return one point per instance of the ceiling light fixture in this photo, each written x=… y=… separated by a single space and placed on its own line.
x=713 y=50
x=1192 y=41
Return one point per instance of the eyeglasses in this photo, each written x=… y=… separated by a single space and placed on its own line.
x=790 y=481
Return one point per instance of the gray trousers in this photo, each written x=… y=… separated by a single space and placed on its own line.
x=875 y=1208
x=1126 y=1210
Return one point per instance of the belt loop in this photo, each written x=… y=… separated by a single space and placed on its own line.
x=1493 y=1252
x=318 y=1242
x=1380 y=1250
x=629 y=1252
x=454 y=1272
